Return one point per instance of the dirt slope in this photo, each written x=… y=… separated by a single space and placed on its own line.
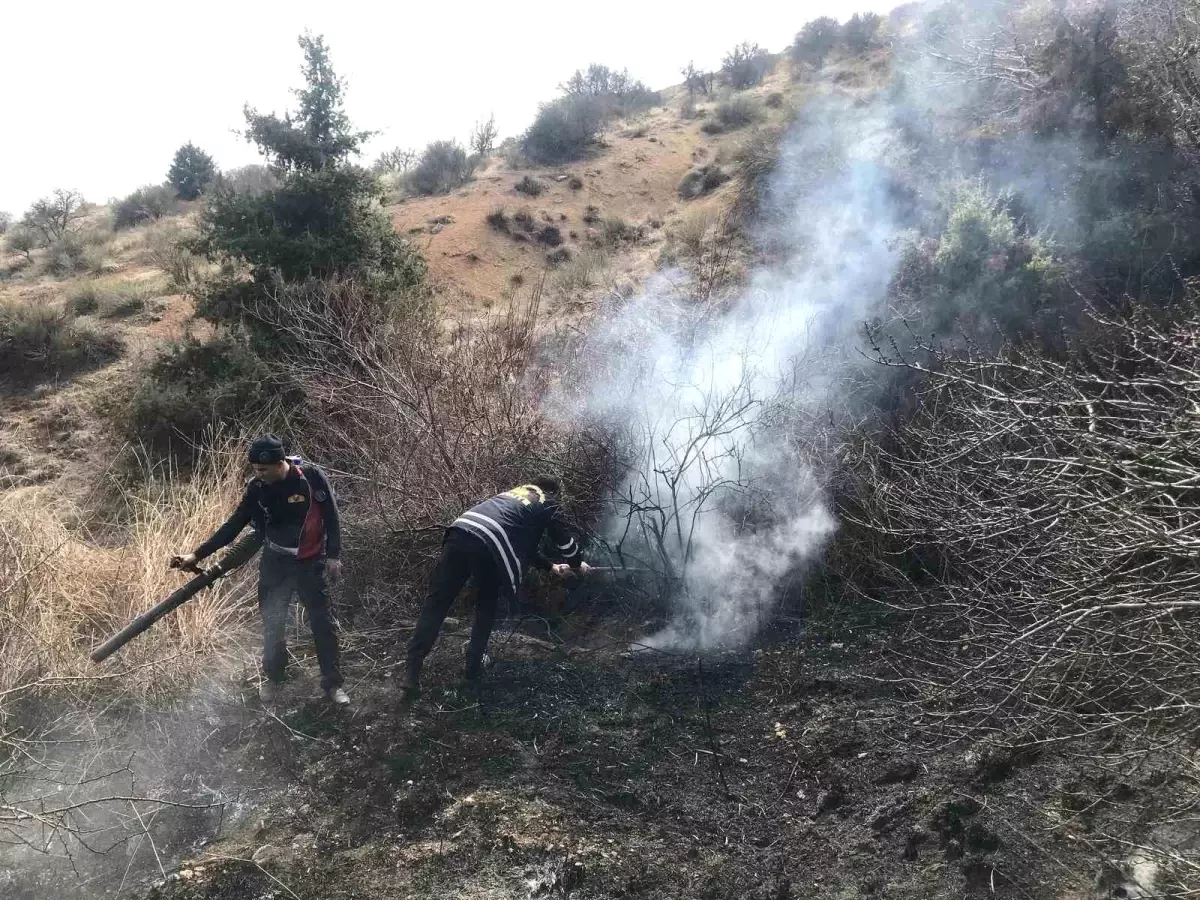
x=633 y=177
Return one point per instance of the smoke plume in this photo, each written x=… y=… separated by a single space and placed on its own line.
x=723 y=496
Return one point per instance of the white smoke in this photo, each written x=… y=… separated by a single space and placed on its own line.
x=723 y=493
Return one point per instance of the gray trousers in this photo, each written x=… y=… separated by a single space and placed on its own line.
x=279 y=577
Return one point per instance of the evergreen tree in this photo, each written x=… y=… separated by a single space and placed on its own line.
x=191 y=172
x=323 y=220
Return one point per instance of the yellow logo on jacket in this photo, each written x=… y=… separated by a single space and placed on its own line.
x=526 y=493
x=296 y=498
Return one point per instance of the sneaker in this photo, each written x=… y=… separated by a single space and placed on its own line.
x=337 y=696
x=268 y=691
x=475 y=670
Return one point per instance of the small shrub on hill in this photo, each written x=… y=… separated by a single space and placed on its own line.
x=115 y=298
x=756 y=158
x=618 y=93
x=147 y=204
x=704 y=180
x=816 y=41
x=737 y=112
x=190 y=386
x=6 y=221
x=483 y=138
x=550 y=236
x=497 y=220
x=443 y=167
x=580 y=274
x=41 y=342
x=524 y=218
x=861 y=32
x=615 y=230
x=745 y=66
x=564 y=129
x=529 y=186
x=55 y=216
x=66 y=256
x=22 y=240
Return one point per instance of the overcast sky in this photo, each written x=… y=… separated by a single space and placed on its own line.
x=99 y=95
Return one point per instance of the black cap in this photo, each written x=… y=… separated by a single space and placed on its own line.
x=547 y=483
x=266 y=450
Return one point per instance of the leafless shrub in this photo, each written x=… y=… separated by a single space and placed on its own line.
x=483 y=138
x=1163 y=39
x=1050 y=504
x=56 y=215
x=429 y=425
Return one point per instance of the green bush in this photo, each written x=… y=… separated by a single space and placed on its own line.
x=41 y=342
x=614 y=230
x=564 y=130
x=192 y=171
x=986 y=272
x=191 y=385
x=115 y=298
x=497 y=219
x=550 y=236
x=704 y=180
x=737 y=112
x=616 y=92
x=529 y=186
x=67 y=256
x=524 y=218
x=576 y=276
x=816 y=41
x=147 y=204
x=443 y=167
x=6 y=221
x=745 y=66
x=22 y=240
x=757 y=156
x=861 y=32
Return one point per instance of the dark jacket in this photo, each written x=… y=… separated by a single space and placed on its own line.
x=297 y=515
x=512 y=525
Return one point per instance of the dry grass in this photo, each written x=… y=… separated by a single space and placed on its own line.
x=61 y=593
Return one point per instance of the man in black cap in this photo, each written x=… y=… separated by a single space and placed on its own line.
x=492 y=543
x=292 y=506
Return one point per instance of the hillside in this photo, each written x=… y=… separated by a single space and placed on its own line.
x=869 y=369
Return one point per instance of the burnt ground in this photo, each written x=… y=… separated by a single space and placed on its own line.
x=584 y=771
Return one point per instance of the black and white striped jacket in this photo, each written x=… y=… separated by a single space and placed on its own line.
x=512 y=525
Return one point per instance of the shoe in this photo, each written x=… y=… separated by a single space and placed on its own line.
x=268 y=691
x=337 y=696
x=476 y=668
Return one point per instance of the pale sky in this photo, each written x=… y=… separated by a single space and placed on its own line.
x=99 y=95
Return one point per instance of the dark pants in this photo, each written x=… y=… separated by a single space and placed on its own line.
x=463 y=556
x=279 y=577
